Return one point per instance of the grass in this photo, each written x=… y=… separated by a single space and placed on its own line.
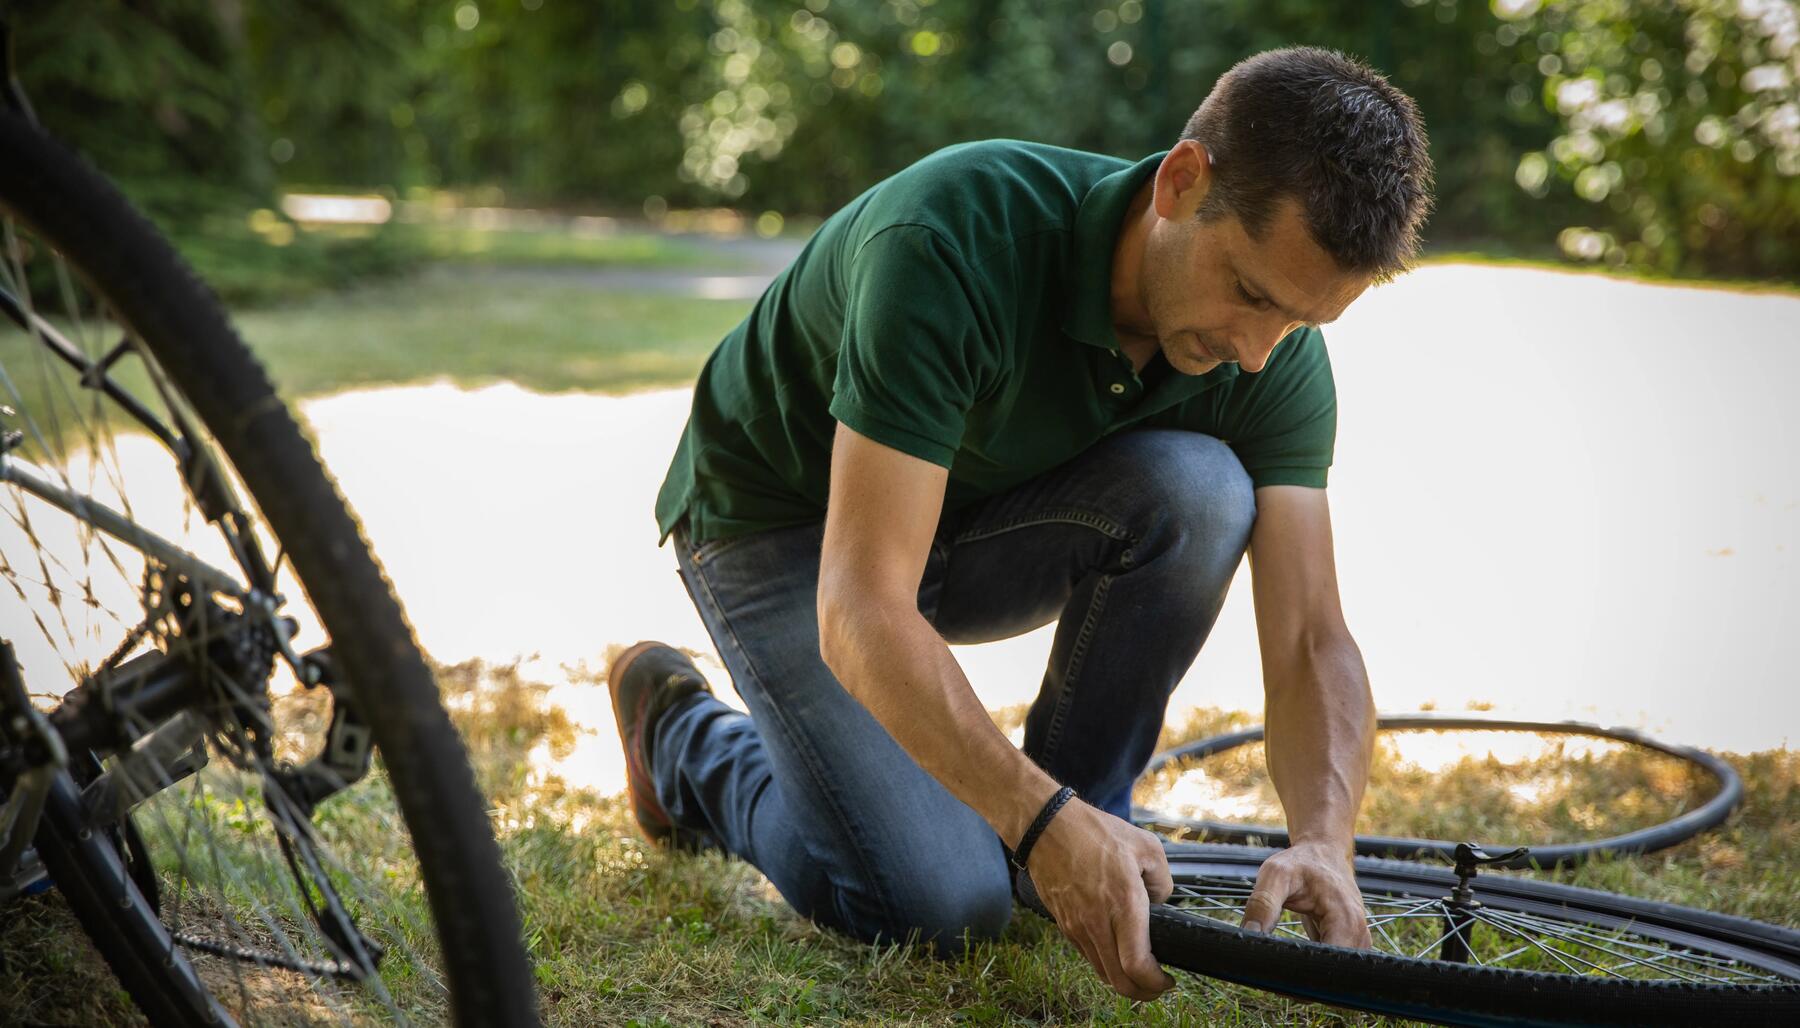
x=625 y=933
x=547 y=332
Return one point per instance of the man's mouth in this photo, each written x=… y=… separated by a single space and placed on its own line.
x=1206 y=351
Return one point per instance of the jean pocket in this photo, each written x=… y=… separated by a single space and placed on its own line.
x=712 y=548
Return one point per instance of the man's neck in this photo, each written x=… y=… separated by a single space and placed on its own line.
x=1130 y=320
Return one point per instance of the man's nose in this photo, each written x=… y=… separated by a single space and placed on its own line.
x=1253 y=355
x=1259 y=343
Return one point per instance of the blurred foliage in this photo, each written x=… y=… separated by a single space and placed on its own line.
x=157 y=93
x=1659 y=134
x=1679 y=122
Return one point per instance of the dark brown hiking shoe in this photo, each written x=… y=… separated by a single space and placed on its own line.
x=645 y=681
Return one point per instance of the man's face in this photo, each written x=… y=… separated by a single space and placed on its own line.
x=1216 y=295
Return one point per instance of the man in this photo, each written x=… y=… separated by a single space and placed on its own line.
x=1015 y=384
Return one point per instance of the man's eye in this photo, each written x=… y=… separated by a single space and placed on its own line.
x=1249 y=298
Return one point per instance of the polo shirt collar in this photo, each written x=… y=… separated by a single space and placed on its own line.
x=1088 y=316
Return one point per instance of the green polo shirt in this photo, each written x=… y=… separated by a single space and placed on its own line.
x=960 y=312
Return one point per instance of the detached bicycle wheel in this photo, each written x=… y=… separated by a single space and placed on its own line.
x=191 y=601
x=1727 y=792
x=1509 y=951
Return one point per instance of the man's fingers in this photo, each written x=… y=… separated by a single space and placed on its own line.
x=1088 y=953
x=1157 y=880
x=1131 y=934
x=1344 y=927
x=1263 y=912
x=1107 y=950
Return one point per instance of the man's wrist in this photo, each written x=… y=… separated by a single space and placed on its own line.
x=1047 y=813
x=1012 y=808
x=1334 y=842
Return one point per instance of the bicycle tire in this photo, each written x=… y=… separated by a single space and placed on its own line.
x=1725 y=798
x=1470 y=994
x=123 y=259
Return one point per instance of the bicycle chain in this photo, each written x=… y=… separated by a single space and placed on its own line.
x=331 y=968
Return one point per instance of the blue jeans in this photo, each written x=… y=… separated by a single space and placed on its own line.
x=1129 y=547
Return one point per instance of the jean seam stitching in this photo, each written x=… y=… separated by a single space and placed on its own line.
x=1100 y=523
x=1066 y=698
x=807 y=756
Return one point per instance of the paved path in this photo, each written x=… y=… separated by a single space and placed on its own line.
x=744 y=269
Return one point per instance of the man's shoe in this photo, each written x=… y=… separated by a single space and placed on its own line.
x=646 y=681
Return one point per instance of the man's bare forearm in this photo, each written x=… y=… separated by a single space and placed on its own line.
x=898 y=667
x=1321 y=733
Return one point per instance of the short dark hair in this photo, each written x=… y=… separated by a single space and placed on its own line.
x=1330 y=132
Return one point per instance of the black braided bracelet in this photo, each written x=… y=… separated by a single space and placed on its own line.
x=1051 y=806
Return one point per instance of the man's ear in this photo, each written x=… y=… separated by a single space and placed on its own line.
x=1182 y=180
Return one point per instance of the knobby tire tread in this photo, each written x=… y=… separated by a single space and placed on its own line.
x=151 y=289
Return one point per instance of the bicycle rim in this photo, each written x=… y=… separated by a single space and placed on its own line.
x=1538 y=952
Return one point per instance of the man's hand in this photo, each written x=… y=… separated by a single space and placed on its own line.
x=1316 y=881
x=1097 y=875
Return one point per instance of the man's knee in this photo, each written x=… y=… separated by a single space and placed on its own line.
x=949 y=912
x=1197 y=488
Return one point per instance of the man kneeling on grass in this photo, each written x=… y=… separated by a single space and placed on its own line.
x=1009 y=385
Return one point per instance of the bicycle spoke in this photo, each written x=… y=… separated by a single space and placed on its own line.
x=1414 y=927
x=1557 y=955
x=1660 y=953
x=1567 y=933
x=1411 y=912
x=1604 y=944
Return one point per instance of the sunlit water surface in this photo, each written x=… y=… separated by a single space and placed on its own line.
x=1562 y=496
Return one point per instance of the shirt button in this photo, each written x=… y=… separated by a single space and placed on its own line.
x=1118 y=388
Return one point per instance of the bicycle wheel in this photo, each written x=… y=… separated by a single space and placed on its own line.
x=1520 y=951
x=169 y=538
x=1728 y=791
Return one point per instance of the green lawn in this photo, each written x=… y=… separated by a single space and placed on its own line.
x=549 y=331
x=624 y=933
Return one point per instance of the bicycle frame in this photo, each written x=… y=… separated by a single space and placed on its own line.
x=27 y=784
x=139 y=711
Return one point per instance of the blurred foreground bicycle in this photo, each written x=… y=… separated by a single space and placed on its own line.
x=218 y=737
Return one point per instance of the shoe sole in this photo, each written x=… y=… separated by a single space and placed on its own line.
x=665 y=834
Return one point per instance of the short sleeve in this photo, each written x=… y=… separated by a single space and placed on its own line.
x=913 y=358
x=1282 y=421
